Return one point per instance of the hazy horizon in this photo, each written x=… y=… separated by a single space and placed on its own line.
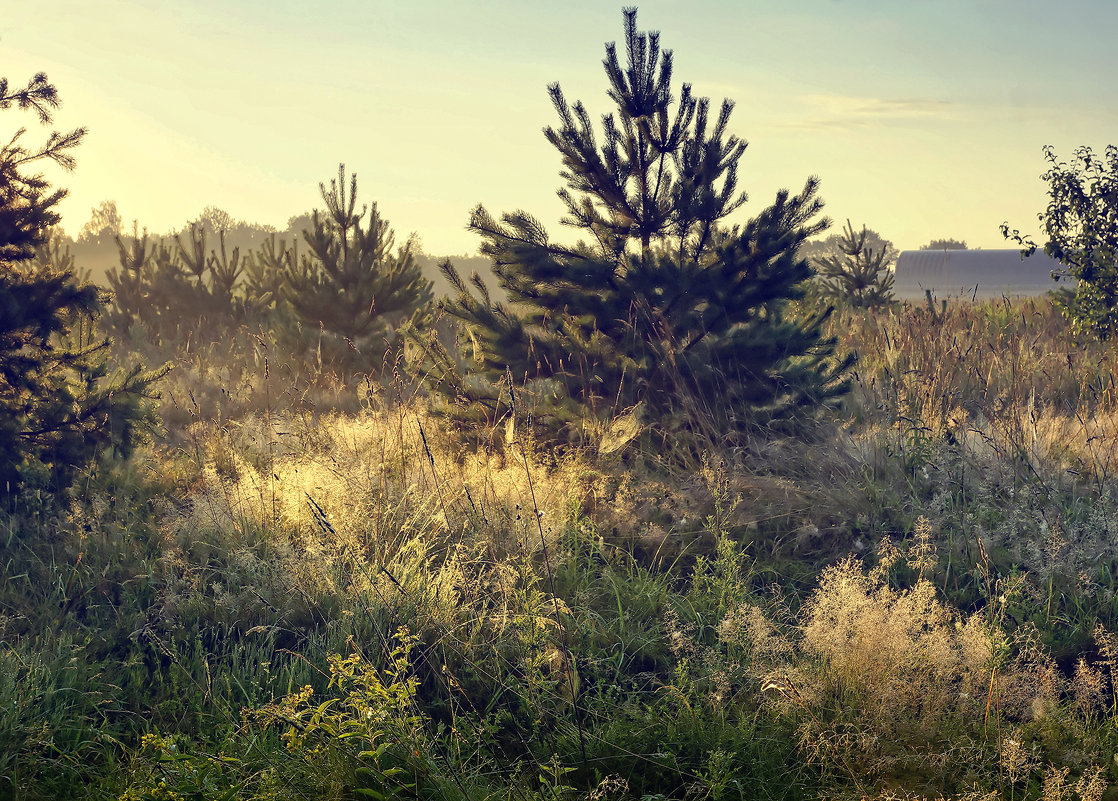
x=923 y=120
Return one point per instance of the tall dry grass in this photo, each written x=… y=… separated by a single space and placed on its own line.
x=1006 y=375
x=894 y=688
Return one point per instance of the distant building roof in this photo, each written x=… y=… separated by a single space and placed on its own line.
x=979 y=274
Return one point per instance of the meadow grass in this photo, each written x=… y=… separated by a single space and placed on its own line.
x=313 y=589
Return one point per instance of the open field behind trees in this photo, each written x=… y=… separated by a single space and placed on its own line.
x=288 y=596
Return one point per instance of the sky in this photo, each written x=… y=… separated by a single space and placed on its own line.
x=922 y=118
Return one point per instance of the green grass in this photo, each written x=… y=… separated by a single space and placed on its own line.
x=311 y=590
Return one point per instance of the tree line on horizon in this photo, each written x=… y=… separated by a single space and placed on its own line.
x=95 y=245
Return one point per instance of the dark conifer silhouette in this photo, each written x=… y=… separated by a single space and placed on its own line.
x=663 y=308
x=858 y=275
x=352 y=292
x=59 y=408
x=264 y=271
x=177 y=292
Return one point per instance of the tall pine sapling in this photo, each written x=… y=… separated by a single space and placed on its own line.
x=352 y=293
x=59 y=408
x=662 y=309
x=54 y=255
x=858 y=275
x=208 y=296
x=131 y=298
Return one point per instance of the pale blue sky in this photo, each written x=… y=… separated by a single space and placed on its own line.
x=923 y=118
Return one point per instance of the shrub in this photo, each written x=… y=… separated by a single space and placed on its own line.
x=1082 y=234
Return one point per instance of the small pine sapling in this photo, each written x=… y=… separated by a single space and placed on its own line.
x=352 y=293
x=858 y=275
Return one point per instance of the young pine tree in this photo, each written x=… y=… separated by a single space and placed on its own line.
x=265 y=268
x=179 y=293
x=351 y=292
x=662 y=307
x=858 y=275
x=59 y=409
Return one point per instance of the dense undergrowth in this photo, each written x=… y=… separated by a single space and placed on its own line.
x=309 y=589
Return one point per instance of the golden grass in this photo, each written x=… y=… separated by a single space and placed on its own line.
x=1003 y=376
